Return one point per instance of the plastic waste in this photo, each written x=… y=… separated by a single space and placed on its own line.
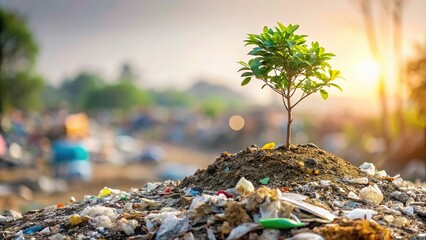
x=102 y=216
x=45 y=230
x=127 y=226
x=306 y=236
x=363 y=180
x=318 y=211
x=148 y=204
x=57 y=236
x=32 y=229
x=242 y=230
x=227 y=169
x=359 y=213
x=244 y=186
x=280 y=223
x=371 y=194
x=193 y=192
x=172 y=226
x=151 y=186
x=269 y=145
x=325 y=183
x=76 y=219
x=368 y=168
x=224 y=193
x=264 y=181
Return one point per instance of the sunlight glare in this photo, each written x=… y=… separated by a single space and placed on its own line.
x=368 y=70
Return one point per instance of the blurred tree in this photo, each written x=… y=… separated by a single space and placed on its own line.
x=172 y=98
x=76 y=90
x=416 y=75
x=127 y=73
x=393 y=10
x=19 y=87
x=122 y=95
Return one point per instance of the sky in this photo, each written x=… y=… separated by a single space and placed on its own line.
x=177 y=42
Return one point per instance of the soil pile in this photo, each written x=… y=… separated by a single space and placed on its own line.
x=300 y=165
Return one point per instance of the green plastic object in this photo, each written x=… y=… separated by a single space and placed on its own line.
x=264 y=181
x=227 y=169
x=280 y=223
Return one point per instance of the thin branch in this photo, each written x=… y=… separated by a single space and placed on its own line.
x=301 y=98
x=285 y=104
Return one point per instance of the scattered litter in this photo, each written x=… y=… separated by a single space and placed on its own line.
x=269 y=145
x=244 y=186
x=264 y=181
x=359 y=213
x=306 y=236
x=32 y=229
x=242 y=230
x=320 y=212
x=330 y=203
x=280 y=223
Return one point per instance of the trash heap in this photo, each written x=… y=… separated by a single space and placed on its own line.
x=305 y=193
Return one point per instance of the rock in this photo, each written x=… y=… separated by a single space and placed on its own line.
x=371 y=194
x=311 y=162
x=400 y=196
x=368 y=168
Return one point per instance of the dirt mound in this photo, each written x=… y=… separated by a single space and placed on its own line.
x=300 y=165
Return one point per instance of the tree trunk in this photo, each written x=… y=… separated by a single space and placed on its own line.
x=289 y=121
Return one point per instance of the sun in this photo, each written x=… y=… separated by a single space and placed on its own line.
x=368 y=70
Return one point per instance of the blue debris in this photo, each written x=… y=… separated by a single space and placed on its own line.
x=32 y=229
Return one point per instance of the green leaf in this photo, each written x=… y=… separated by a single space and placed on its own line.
x=324 y=94
x=336 y=86
x=244 y=64
x=265 y=30
x=282 y=27
x=243 y=69
x=247 y=74
x=245 y=81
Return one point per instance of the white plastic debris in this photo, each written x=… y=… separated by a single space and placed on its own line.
x=325 y=183
x=318 y=211
x=368 y=168
x=45 y=230
x=102 y=216
x=359 y=213
x=151 y=186
x=371 y=194
x=103 y=221
x=270 y=234
x=57 y=236
x=127 y=226
x=244 y=186
x=306 y=236
x=172 y=226
x=363 y=180
x=242 y=230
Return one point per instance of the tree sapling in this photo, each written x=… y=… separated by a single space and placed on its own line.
x=285 y=63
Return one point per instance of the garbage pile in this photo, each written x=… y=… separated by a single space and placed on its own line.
x=345 y=203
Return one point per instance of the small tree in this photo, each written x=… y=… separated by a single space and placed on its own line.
x=285 y=63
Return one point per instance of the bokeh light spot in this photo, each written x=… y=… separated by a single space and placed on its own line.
x=236 y=122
